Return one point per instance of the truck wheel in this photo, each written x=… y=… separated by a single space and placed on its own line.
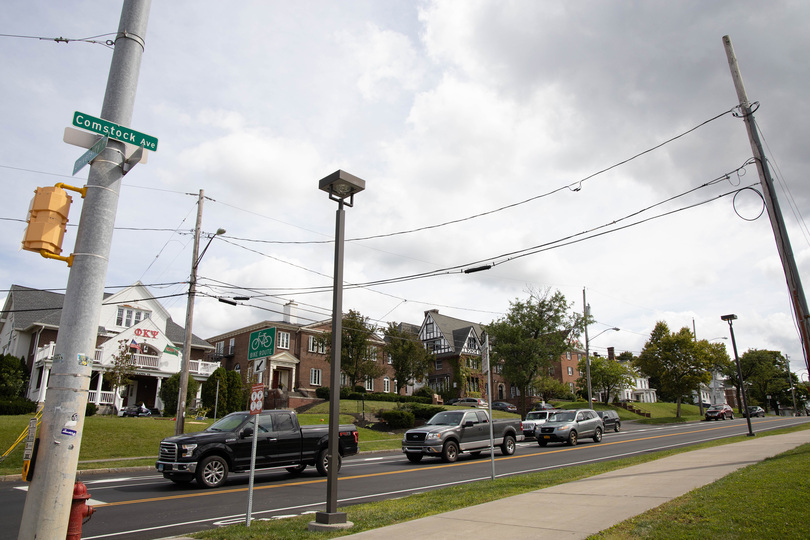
x=322 y=462
x=212 y=472
x=572 y=438
x=450 y=452
x=297 y=469
x=597 y=435
x=618 y=427
x=414 y=458
x=508 y=446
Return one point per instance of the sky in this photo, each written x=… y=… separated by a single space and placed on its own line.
x=588 y=147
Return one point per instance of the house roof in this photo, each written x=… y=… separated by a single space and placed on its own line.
x=455 y=331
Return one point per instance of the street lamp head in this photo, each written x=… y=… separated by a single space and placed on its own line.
x=341 y=185
x=220 y=231
x=730 y=317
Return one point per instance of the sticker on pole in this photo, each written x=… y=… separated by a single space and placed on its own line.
x=256 y=398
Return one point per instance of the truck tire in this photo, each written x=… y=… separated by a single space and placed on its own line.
x=297 y=469
x=542 y=442
x=597 y=435
x=322 y=462
x=618 y=427
x=508 y=446
x=450 y=452
x=212 y=472
x=572 y=438
x=414 y=458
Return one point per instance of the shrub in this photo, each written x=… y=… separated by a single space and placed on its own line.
x=323 y=392
x=17 y=405
x=424 y=391
x=91 y=409
x=425 y=412
x=398 y=419
x=360 y=389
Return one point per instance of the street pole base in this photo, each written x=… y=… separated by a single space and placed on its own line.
x=751 y=435
x=329 y=521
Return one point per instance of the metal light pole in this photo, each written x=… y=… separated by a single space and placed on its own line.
x=340 y=186
x=179 y=425
x=728 y=319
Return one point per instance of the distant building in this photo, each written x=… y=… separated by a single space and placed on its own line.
x=30 y=325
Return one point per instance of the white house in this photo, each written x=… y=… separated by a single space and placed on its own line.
x=30 y=324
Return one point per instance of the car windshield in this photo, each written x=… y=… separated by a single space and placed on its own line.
x=228 y=423
x=447 y=418
x=536 y=415
x=564 y=416
x=716 y=408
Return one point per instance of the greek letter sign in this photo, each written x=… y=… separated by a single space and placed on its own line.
x=114 y=131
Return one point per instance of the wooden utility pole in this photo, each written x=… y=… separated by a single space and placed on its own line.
x=794 y=283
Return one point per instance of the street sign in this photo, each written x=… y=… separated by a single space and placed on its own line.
x=91 y=154
x=262 y=343
x=256 y=398
x=114 y=131
x=85 y=139
x=259 y=364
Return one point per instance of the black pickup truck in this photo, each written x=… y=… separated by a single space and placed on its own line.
x=226 y=447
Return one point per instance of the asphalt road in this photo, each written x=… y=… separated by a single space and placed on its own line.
x=142 y=505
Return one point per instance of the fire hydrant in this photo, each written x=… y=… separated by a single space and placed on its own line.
x=78 y=511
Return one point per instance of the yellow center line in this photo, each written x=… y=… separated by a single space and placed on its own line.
x=405 y=471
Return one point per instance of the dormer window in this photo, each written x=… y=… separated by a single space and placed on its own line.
x=128 y=316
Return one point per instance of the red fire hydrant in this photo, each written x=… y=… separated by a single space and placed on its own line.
x=78 y=511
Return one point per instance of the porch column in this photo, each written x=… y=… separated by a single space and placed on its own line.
x=98 y=387
x=158 y=402
x=46 y=371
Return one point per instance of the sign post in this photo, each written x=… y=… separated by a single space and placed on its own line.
x=256 y=403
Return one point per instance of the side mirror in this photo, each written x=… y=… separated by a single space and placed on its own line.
x=469 y=423
x=247 y=432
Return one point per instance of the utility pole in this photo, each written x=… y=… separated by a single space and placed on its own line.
x=794 y=283
x=47 y=505
x=192 y=291
x=587 y=313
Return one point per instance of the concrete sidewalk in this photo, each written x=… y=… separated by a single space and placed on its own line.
x=585 y=507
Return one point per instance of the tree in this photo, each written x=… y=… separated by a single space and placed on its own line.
x=357 y=359
x=171 y=387
x=549 y=388
x=13 y=376
x=119 y=373
x=531 y=335
x=607 y=375
x=677 y=362
x=409 y=358
x=765 y=375
x=230 y=392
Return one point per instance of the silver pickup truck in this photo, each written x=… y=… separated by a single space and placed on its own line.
x=449 y=433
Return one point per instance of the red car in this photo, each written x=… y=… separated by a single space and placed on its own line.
x=720 y=412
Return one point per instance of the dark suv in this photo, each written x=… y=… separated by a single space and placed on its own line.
x=611 y=420
x=720 y=412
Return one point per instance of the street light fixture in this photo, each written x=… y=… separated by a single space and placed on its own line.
x=341 y=187
x=728 y=319
x=588 y=358
x=179 y=424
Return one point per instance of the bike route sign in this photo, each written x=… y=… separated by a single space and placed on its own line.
x=262 y=343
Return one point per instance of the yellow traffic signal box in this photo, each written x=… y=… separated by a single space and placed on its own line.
x=47 y=219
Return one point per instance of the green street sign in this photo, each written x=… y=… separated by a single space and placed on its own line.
x=262 y=343
x=114 y=131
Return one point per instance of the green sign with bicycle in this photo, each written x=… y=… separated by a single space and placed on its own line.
x=262 y=343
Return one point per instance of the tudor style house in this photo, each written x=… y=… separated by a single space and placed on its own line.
x=298 y=365
x=30 y=325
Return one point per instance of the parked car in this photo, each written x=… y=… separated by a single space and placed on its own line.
x=720 y=412
x=472 y=402
x=754 y=410
x=533 y=421
x=504 y=406
x=543 y=406
x=611 y=420
x=135 y=410
x=452 y=401
x=570 y=426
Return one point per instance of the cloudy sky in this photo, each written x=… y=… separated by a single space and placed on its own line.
x=488 y=132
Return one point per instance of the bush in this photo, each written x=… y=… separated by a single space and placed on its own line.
x=91 y=409
x=425 y=412
x=398 y=419
x=360 y=389
x=322 y=392
x=171 y=387
x=17 y=405
x=424 y=391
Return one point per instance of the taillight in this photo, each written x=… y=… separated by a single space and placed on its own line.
x=356 y=437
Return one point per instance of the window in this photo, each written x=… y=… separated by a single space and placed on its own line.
x=128 y=317
x=231 y=345
x=283 y=340
x=372 y=354
x=369 y=384
x=571 y=387
x=472 y=343
x=386 y=385
x=551 y=370
x=220 y=346
x=438 y=365
x=344 y=380
x=315 y=377
x=390 y=360
x=568 y=355
x=570 y=370
x=316 y=345
x=429 y=329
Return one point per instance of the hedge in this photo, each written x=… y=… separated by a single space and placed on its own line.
x=322 y=392
x=398 y=419
x=18 y=405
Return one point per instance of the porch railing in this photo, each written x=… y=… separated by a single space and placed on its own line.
x=105 y=398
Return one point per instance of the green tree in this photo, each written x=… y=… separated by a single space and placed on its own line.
x=549 y=388
x=765 y=375
x=230 y=392
x=13 y=376
x=677 y=362
x=119 y=373
x=357 y=359
x=531 y=335
x=238 y=394
x=409 y=358
x=171 y=387
x=607 y=375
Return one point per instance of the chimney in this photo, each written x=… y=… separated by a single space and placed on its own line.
x=289 y=312
x=611 y=353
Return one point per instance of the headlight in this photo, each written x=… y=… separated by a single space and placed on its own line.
x=431 y=436
x=187 y=449
x=563 y=428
